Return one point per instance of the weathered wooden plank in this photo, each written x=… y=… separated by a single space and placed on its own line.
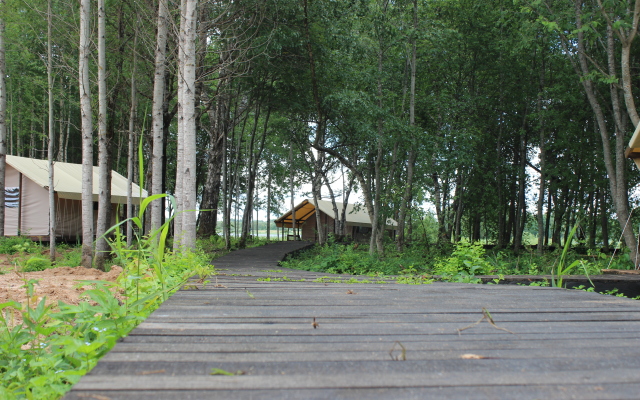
x=375 y=337
x=305 y=327
x=560 y=392
x=381 y=355
x=423 y=345
x=189 y=368
x=357 y=380
x=293 y=317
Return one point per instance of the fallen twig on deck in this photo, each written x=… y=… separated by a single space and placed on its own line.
x=485 y=315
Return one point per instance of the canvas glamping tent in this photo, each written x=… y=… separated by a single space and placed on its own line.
x=27 y=201
x=358 y=224
x=633 y=151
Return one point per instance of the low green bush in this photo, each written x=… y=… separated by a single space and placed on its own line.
x=467 y=258
x=16 y=244
x=70 y=258
x=35 y=264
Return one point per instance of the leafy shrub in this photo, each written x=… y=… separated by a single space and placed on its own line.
x=15 y=244
x=71 y=258
x=467 y=258
x=36 y=264
x=339 y=258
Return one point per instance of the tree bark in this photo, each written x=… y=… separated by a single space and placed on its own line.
x=51 y=145
x=218 y=129
x=3 y=120
x=254 y=160
x=521 y=209
x=408 y=189
x=87 y=134
x=157 y=114
x=187 y=168
x=541 y=146
x=131 y=148
x=104 y=198
x=615 y=168
x=626 y=36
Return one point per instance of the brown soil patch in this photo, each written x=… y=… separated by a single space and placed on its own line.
x=57 y=284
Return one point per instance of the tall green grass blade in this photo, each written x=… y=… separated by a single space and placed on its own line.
x=562 y=269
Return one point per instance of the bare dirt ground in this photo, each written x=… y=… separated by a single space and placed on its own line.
x=56 y=283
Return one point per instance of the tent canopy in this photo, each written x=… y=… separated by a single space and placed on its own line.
x=633 y=151
x=355 y=215
x=68 y=179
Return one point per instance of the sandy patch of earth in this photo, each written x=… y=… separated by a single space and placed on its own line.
x=57 y=284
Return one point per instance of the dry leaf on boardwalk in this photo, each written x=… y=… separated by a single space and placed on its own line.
x=470 y=356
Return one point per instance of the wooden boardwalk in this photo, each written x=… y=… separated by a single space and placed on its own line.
x=565 y=344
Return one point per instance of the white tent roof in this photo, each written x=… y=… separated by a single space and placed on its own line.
x=355 y=215
x=68 y=179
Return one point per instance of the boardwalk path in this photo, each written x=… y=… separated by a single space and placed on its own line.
x=567 y=344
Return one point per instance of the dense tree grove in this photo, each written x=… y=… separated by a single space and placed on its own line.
x=504 y=116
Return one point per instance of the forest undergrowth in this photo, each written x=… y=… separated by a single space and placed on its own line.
x=462 y=262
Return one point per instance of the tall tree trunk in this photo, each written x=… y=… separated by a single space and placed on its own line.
x=104 y=199
x=269 y=203
x=604 y=221
x=615 y=168
x=334 y=206
x=345 y=200
x=293 y=205
x=316 y=189
x=254 y=160
x=408 y=189
x=65 y=148
x=186 y=171
x=626 y=34
x=377 y=225
x=593 y=218
x=219 y=125
x=87 y=134
x=3 y=120
x=541 y=146
x=521 y=209
x=157 y=113
x=51 y=148
x=32 y=132
x=548 y=220
x=61 y=122
x=132 y=139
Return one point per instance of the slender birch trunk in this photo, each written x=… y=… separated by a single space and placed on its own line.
x=87 y=134
x=177 y=220
x=51 y=148
x=103 y=156
x=3 y=121
x=186 y=171
x=158 y=114
x=132 y=140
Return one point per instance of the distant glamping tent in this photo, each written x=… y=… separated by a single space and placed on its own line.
x=27 y=202
x=633 y=151
x=358 y=224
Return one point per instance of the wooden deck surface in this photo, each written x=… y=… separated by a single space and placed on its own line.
x=565 y=344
